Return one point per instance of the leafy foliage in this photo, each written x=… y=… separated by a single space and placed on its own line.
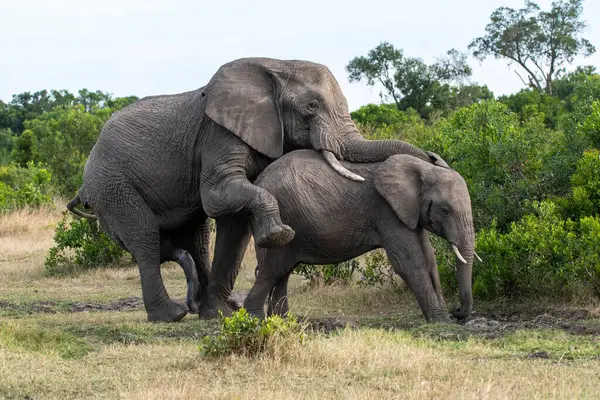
x=79 y=245
x=499 y=157
x=329 y=274
x=541 y=255
x=246 y=335
x=62 y=139
x=377 y=270
x=24 y=186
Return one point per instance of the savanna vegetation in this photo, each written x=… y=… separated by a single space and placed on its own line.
x=72 y=324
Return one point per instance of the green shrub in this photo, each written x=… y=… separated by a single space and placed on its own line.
x=79 y=245
x=24 y=186
x=541 y=255
x=377 y=270
x=246 y=335
x=329 y=274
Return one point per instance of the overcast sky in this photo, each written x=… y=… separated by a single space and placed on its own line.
x=134 y=47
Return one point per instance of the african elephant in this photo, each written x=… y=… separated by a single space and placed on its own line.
x=336 y=219
x=167 y=163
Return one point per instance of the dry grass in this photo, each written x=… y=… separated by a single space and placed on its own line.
x=120 y=355
x=354 y=365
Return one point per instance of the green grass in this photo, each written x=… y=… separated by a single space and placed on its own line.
x=49 y=348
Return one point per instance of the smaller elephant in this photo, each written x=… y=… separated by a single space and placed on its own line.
x=336 y=219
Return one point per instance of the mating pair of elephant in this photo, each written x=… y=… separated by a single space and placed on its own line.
x=165 y=164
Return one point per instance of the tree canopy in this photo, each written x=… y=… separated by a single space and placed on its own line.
x=411 y=83
x=540 y=42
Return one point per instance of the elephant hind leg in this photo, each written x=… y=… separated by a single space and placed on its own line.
x=277 y=300
x=134 y=224
x=273 y=271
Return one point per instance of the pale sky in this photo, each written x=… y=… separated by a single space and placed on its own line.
x=134 y=47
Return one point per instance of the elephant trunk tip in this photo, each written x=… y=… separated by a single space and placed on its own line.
x=461 y=313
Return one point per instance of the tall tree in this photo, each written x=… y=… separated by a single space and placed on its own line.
x=408 y=81
x=540 y=42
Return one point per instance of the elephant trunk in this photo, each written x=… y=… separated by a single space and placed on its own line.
x=331 y=151
x=358 y=149
x=465 y=252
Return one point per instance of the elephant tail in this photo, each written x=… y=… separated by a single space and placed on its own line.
x=74 y=203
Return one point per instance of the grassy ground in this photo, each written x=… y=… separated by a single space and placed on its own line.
x=87 y=337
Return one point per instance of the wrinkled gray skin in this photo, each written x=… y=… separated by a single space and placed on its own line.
x=336 y=219
x=167 y=163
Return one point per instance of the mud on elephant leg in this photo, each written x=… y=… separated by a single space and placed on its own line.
x=233 y=236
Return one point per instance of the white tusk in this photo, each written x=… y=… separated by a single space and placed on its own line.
x=460 y=257
x=339 y=168
x=477 y=256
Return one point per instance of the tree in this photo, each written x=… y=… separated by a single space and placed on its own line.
x=540 y=42
x=409 y=82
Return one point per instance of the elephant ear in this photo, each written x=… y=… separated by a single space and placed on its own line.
x=398 y=180
x=241 y=97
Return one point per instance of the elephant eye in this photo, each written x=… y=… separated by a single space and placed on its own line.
x=445 y=211
x=313 y=106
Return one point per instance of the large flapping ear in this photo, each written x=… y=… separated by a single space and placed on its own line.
x=241 y=97
x=398 y=179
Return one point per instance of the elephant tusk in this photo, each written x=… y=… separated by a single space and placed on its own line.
x=458 y=255
x=477 y=257
x=339 y=168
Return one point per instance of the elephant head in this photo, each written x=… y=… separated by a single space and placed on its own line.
x=437 y=199
x=276 y=106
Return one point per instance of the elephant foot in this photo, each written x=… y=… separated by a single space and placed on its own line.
x=167 y=311
x=211 y=310
x=236 y=301
x=274 y=236
x=193 y=308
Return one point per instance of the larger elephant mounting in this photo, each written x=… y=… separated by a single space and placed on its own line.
x=167 y=163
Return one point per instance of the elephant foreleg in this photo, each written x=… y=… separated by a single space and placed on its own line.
x=429 y=253
x=408 y=260
x=228 y=195
x=233 y=236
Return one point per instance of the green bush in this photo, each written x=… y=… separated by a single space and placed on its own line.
x=541 y=255
x=79 y=245
x=24 y=186
x=377 y=270
x=329 y=274
x=246 y=335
